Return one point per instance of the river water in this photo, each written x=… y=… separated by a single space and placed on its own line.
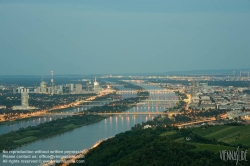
x=85 y=136
x=38 y=120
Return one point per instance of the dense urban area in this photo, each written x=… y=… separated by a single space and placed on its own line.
x=210 y=113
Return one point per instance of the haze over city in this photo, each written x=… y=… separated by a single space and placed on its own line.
x=93 y=37
x=132 y=82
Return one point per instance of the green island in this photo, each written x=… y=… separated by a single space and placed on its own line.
x=23 y=136
x=169 y=145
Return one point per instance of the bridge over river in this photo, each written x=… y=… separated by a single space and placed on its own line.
x=111 y=113
x=151 y=91
x=107 y=101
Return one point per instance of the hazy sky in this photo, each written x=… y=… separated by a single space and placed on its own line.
x=127 y=36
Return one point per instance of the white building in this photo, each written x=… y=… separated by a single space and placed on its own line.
x=97 y=87
x=25 y=99
x=2 y=106
x=43 y=87
x=24 y=103
x=146 y=126
x=205 y=97
x=78 y=88
x=71 y=87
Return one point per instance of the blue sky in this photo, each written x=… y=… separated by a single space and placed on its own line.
x=132 y=36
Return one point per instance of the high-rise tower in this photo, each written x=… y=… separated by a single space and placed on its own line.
x=193 y=88
x=25 y=99
x=43 y=87
x=52 y=82
x=240 y=75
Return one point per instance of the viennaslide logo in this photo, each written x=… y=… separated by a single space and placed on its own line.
x=235 y=155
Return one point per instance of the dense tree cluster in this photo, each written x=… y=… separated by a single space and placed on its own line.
x=149 y=147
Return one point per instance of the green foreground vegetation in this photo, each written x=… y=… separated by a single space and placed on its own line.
x=231 y=134
x=163 y=146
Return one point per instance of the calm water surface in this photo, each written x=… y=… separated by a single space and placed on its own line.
x=84 y=137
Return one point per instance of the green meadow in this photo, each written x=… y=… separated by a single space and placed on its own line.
x=233 y=135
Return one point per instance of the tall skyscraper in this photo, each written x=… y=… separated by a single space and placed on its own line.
x=193 y=88
x=43 y=87
x=71 y=87
x=25 y=99
x=52 y=83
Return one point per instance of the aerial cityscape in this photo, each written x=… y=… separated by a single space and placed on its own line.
x=121 y=83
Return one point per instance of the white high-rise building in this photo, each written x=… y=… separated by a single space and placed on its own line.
x=71 y=87
x=21 y=89
x=25 y=99
x=43 y=87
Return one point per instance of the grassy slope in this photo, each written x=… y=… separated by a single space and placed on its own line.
x=211 y=147
x=200 y=146
x=229 y=134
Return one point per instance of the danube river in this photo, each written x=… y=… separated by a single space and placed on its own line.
x=85 y=136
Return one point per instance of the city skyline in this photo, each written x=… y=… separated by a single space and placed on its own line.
x=135 y=82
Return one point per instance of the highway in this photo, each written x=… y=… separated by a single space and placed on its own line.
x=195 y=122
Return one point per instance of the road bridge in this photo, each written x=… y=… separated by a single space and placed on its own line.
x=150 y=91
x=112 y=113
x=108 y=101
x=138 y=84
x=147 y=100
x=160 y=100
x=195 y=122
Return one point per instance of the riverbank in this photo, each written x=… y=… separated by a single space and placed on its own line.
x=72 y=158
x=17 y=120
x=58 y=109
x=161 y=146
x=30 y=134
x=20 y=137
